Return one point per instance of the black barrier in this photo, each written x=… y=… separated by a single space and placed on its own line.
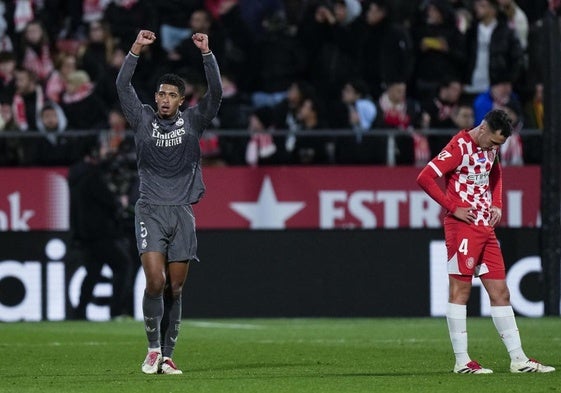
x=339 y=273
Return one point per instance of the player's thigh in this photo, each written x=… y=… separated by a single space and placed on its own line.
x=464 y=245
x=183 y=242
x=493 y=258
x=149 y=229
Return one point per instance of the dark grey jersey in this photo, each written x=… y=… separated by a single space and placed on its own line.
x=168 y=152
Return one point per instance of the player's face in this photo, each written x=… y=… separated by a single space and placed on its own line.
x=168 y=100
x=491 y=140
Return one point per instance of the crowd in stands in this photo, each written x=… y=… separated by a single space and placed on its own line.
x=288 y=67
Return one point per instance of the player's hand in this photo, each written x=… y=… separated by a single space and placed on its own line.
x=466 y=214
x=496 y=215
x=201 y=41
x=145 y=37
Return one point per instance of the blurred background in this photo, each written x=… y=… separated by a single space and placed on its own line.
x=330 y=108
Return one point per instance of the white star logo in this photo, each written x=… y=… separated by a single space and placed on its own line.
x=267 y=212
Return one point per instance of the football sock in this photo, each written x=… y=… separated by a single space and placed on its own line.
x=456 y=315
x=503 y=318
x=153 y=309
x=171 y=324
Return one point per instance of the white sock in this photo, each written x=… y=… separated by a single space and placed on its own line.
x=456 y=315
x=503 y=318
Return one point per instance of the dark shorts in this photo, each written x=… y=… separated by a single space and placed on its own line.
x=166 y=229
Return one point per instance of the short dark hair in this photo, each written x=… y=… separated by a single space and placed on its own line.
x=498 y=119
x=174 y=80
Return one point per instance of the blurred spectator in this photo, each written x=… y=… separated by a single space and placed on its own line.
x=537 y=44
x=276 y=61
x=186 y=55
x=52 y=149
x=11 y=149
x=261 y=147
x=534 y=117
x=173 y=16
x=105 y=86
x=286 y=111
x=83 y=108
x=253 y=13
x=517 y=20
x=21 y=13
x=55 y=86
x=92 y=10
x=439 y=48
x=493 y=50
x=96 y=233
x=533 y=110
x=463 y=117
x=125 y=17
x=60 y=18
x=440 y=107
x=312 y=149
x=330 y=38
x=360 y=116
x=116 y=134
x=7 y=76
x=235 y=107
x=463 y=15
x=34 y=51
x=361 y=110
x=98 y=50
x=238 y=45
x=7 y=121
x=512 y=151
x=51 y=121
x=498 y=96
x=385 y=50
x=6 y=44
x=397 y=110
x=28 y=100
x=233 y=114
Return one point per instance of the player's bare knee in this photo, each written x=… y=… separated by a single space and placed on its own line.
x=155 y=286
x=500 y=298
x=176 y=289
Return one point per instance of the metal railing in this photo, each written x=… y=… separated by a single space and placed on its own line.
x=391 y=135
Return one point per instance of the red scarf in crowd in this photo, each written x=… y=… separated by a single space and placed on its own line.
x=40 y=64
x=18 y=108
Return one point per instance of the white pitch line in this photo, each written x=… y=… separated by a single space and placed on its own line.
x=224 y=325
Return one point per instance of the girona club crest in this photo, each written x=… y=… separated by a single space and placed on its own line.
x=470 y=263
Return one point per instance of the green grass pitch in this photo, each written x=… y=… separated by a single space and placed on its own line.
x=273 y=355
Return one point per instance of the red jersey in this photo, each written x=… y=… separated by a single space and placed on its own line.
x=472 y=177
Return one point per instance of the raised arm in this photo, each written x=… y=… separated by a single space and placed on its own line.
x=132 y=106
x=208 y=106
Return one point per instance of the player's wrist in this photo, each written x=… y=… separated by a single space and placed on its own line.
x=206 y=53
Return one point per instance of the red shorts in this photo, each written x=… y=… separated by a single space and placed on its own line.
x=473 y=250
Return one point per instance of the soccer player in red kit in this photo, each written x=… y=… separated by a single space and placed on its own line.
x=473 y=200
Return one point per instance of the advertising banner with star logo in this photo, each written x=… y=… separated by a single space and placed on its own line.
x=343 y=197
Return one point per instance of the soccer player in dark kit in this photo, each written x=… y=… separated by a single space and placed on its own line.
x=169 y=168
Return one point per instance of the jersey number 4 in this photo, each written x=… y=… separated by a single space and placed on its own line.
x=463 y=246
